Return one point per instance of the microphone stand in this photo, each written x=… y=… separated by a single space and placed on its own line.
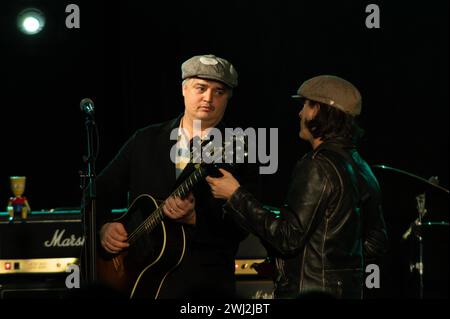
x=88 y=205
x=415 y=227
x=418 y=235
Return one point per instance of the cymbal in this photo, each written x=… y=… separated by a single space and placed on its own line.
x=404 y=175
x=400 y=190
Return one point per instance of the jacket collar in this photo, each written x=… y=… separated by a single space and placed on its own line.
x=335 y=143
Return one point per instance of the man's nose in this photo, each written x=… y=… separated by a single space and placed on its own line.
x=208 y=95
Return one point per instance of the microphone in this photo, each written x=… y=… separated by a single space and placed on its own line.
x=87 y=106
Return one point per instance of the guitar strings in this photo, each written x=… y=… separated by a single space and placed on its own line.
x=155 y=218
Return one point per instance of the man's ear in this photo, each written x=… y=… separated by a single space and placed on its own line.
x=316 y=108
x=184 y=85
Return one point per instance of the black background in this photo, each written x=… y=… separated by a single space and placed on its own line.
x=127 y=55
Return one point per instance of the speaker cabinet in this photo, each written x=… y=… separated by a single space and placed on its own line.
x=33 y=287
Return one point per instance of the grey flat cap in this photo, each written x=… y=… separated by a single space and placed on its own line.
x=332 y=90
x=210 y=67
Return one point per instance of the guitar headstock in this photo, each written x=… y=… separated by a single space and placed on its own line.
x=207 y=156
x=216 y=154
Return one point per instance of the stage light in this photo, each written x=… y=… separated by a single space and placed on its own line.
x=30 y=21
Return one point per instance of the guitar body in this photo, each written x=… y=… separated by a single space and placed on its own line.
x=140 y=270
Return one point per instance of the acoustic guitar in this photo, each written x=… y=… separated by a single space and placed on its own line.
x=157 y=245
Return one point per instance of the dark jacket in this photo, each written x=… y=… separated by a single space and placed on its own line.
x=331 y=221
x=143 y=166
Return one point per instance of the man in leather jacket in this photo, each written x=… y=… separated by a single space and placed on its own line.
x=332 y=222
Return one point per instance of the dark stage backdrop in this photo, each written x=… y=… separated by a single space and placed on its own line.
x=126 y=56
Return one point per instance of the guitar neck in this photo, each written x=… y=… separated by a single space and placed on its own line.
x=190 y=182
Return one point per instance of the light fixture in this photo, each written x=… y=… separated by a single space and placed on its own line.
x=30 y=20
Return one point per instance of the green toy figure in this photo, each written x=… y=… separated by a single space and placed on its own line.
x=18 y=205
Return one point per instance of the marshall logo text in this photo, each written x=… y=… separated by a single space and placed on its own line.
x=58 y=240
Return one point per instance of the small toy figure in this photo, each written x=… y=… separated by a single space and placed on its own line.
x=18 y=205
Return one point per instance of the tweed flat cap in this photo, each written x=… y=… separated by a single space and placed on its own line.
x=332 y=90
x=210 y=67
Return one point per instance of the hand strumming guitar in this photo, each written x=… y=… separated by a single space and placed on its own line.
x=113 y=237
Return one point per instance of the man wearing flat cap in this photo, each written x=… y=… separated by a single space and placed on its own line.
x=147 y=165
x=332 y=223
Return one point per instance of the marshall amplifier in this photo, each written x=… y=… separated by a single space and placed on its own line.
x=42 y=236
x=253 y=270
x=35 y=253
x=52 y=235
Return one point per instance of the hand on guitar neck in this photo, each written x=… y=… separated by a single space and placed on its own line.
x=114 y=237
x=181 y=209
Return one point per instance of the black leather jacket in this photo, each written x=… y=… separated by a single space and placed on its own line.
x=331 y=222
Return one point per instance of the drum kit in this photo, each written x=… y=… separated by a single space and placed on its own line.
x=418 y=235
